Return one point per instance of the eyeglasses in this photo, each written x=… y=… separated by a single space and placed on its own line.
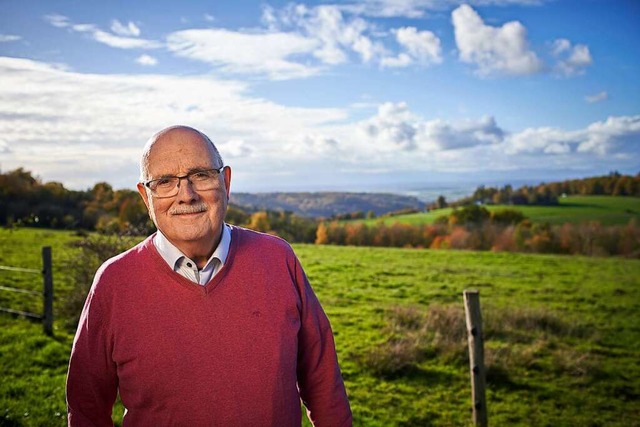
x=168 y=186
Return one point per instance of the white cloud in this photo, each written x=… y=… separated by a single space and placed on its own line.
x=494 y=50
x=598 y=97
x=4 y=147
x=393 y=128
x=209 y=18
x=113 y=40
x=59 y=21
x=235 y=148
x=464 y=134
x=240 y=52
x=421 y=46
x=541 y=140
x=5 y=38
x=299 y=41
x=120 y=29
x=572 y=60
x=92 y=124
x=400 y=61
x=147 y=60
x=395 y=135
x=337 y=36
x=124 y=42
x=616 y=134
x=84 y=128
x=315 y=144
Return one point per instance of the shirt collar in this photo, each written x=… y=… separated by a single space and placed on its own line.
x=172 y=255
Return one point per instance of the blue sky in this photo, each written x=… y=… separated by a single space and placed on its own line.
x=348 y=95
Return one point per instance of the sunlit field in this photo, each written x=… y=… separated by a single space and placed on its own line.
x=607 y=210
x=561 y=334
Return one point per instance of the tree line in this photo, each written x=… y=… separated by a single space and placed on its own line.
x=613 y=184
x=27 y=201
x=473 y=227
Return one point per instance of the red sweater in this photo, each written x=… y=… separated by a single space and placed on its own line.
x=240 y=351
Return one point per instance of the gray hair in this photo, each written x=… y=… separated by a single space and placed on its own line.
x=144 y=159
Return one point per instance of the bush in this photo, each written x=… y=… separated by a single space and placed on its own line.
x=514 y=339
x=413 y=334
x=93 y=251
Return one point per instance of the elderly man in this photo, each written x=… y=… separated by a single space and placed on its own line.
x=202 y=324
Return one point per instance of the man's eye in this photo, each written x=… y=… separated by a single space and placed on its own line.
x=200 y=176
x=164 y=182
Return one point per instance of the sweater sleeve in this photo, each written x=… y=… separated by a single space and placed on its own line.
x=92 y=382
x=319 y=379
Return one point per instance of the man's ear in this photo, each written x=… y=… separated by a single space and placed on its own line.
x=227 y=180
x=143 y=193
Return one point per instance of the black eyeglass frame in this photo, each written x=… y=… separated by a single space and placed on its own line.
x=180 y=178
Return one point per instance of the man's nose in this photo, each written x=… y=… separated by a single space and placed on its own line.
x=186 y=190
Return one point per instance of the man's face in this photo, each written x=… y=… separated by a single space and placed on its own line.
x=178 y=152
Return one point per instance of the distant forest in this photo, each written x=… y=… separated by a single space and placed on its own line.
x=613 y=184
x=26 y=200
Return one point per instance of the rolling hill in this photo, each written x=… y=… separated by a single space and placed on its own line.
x=325 y=204
x=607 y=210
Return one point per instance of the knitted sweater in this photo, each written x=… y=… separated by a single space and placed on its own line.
x=240 y=351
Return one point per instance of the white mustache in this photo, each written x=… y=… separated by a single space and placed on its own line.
x=188 y=209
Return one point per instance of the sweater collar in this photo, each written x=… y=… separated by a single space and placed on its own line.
x=173 y=256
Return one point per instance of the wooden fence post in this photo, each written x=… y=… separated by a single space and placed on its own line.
x=476 y=356
x=47 y=274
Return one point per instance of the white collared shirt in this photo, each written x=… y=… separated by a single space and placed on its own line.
x=185 y=266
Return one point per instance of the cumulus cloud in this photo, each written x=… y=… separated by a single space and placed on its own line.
x=616 y=134
x=243 y=52
x=443 y=135
x=541 y=140
x=394 y=133
x=571 y=59
x=336 y=35
x=393 y=128
x=147 y=60
x=494 y=50
x=5 y=38
x=117 y=39
x=421 y=46
x=598 y=97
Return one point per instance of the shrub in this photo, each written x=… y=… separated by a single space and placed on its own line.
x=413 y=333
x=507 y=217
x=93 y=251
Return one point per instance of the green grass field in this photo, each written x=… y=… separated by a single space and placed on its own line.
x=561 y=333
x=607 y=210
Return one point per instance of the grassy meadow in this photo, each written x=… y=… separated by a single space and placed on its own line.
x=607 y=210
x=561 y=334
